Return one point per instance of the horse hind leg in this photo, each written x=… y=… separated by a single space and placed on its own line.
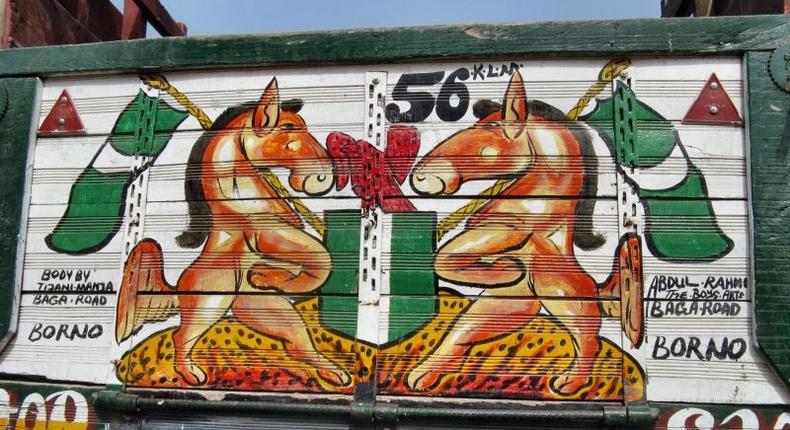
x=143 y=273
x=275 y=316
x=569 y=295
x=198 y=314
x=200 y=311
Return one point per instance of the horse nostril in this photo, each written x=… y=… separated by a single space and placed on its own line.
x=321 y=177
x=419 y=178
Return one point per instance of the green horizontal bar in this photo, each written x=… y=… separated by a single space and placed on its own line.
x=609 y=416
x=582 y=38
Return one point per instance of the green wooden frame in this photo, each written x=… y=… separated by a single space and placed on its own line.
x=18 y=103
x=752 y=37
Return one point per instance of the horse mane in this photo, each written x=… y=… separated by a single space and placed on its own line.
x=199 y=213
x=583 y=235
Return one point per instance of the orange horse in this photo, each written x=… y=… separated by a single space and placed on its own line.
x=253 y=241
x=519 y=245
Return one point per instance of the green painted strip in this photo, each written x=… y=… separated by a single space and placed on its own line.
x=339 y=292
x=408 y=314
x=584 y=38
x=412 y=251
x=15 y=129
x=625 y=135
x=769 y=136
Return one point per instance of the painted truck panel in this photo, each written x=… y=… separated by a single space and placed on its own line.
x=441 y=310
x=502 y=229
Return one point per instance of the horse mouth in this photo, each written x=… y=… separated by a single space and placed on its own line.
x=317 y=184
x=427 y=184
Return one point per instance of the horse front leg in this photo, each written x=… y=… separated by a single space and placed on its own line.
x=484 y=256
x=290 y=260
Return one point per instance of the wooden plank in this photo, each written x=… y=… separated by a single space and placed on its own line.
x=645 y=36
x=160 y=18
x=769 y=117
x=17 y=105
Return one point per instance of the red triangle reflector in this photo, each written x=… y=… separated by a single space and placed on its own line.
x=713 y=106
x=63 y=118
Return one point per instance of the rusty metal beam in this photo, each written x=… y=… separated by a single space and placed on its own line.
x=160 y=18
x=133 y=22
x=3 y=35
x=676 y=8
x=100 y=18
x=703 y=7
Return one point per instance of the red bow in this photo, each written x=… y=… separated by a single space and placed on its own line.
x=375 y=176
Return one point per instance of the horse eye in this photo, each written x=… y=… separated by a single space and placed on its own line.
x=288 y=126
x=492 y=125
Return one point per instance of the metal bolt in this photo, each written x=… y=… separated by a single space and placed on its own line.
x=714 y=86
x=63 y=99
x=713 y=110
x=62 y=121
x=624 y=74
x=375 y=81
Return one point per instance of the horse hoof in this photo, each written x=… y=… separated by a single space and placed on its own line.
x=191 y=373
x=421 y=381
x=338 y=378
x=568 y=385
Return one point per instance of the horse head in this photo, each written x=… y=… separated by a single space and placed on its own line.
x=496 y=146
x=276 y=136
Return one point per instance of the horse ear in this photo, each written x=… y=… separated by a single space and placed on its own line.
x=268 y=110
x=515 y=109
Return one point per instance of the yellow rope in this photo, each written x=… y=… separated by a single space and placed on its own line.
x=300 y=207
x=609 y=71
x=160 y=82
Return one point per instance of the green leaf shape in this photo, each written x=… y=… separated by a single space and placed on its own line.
x=94 y=212
x=686 y=205
x=128 y=135
x=96 y=203
x=656 y=137
x=681 y=224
